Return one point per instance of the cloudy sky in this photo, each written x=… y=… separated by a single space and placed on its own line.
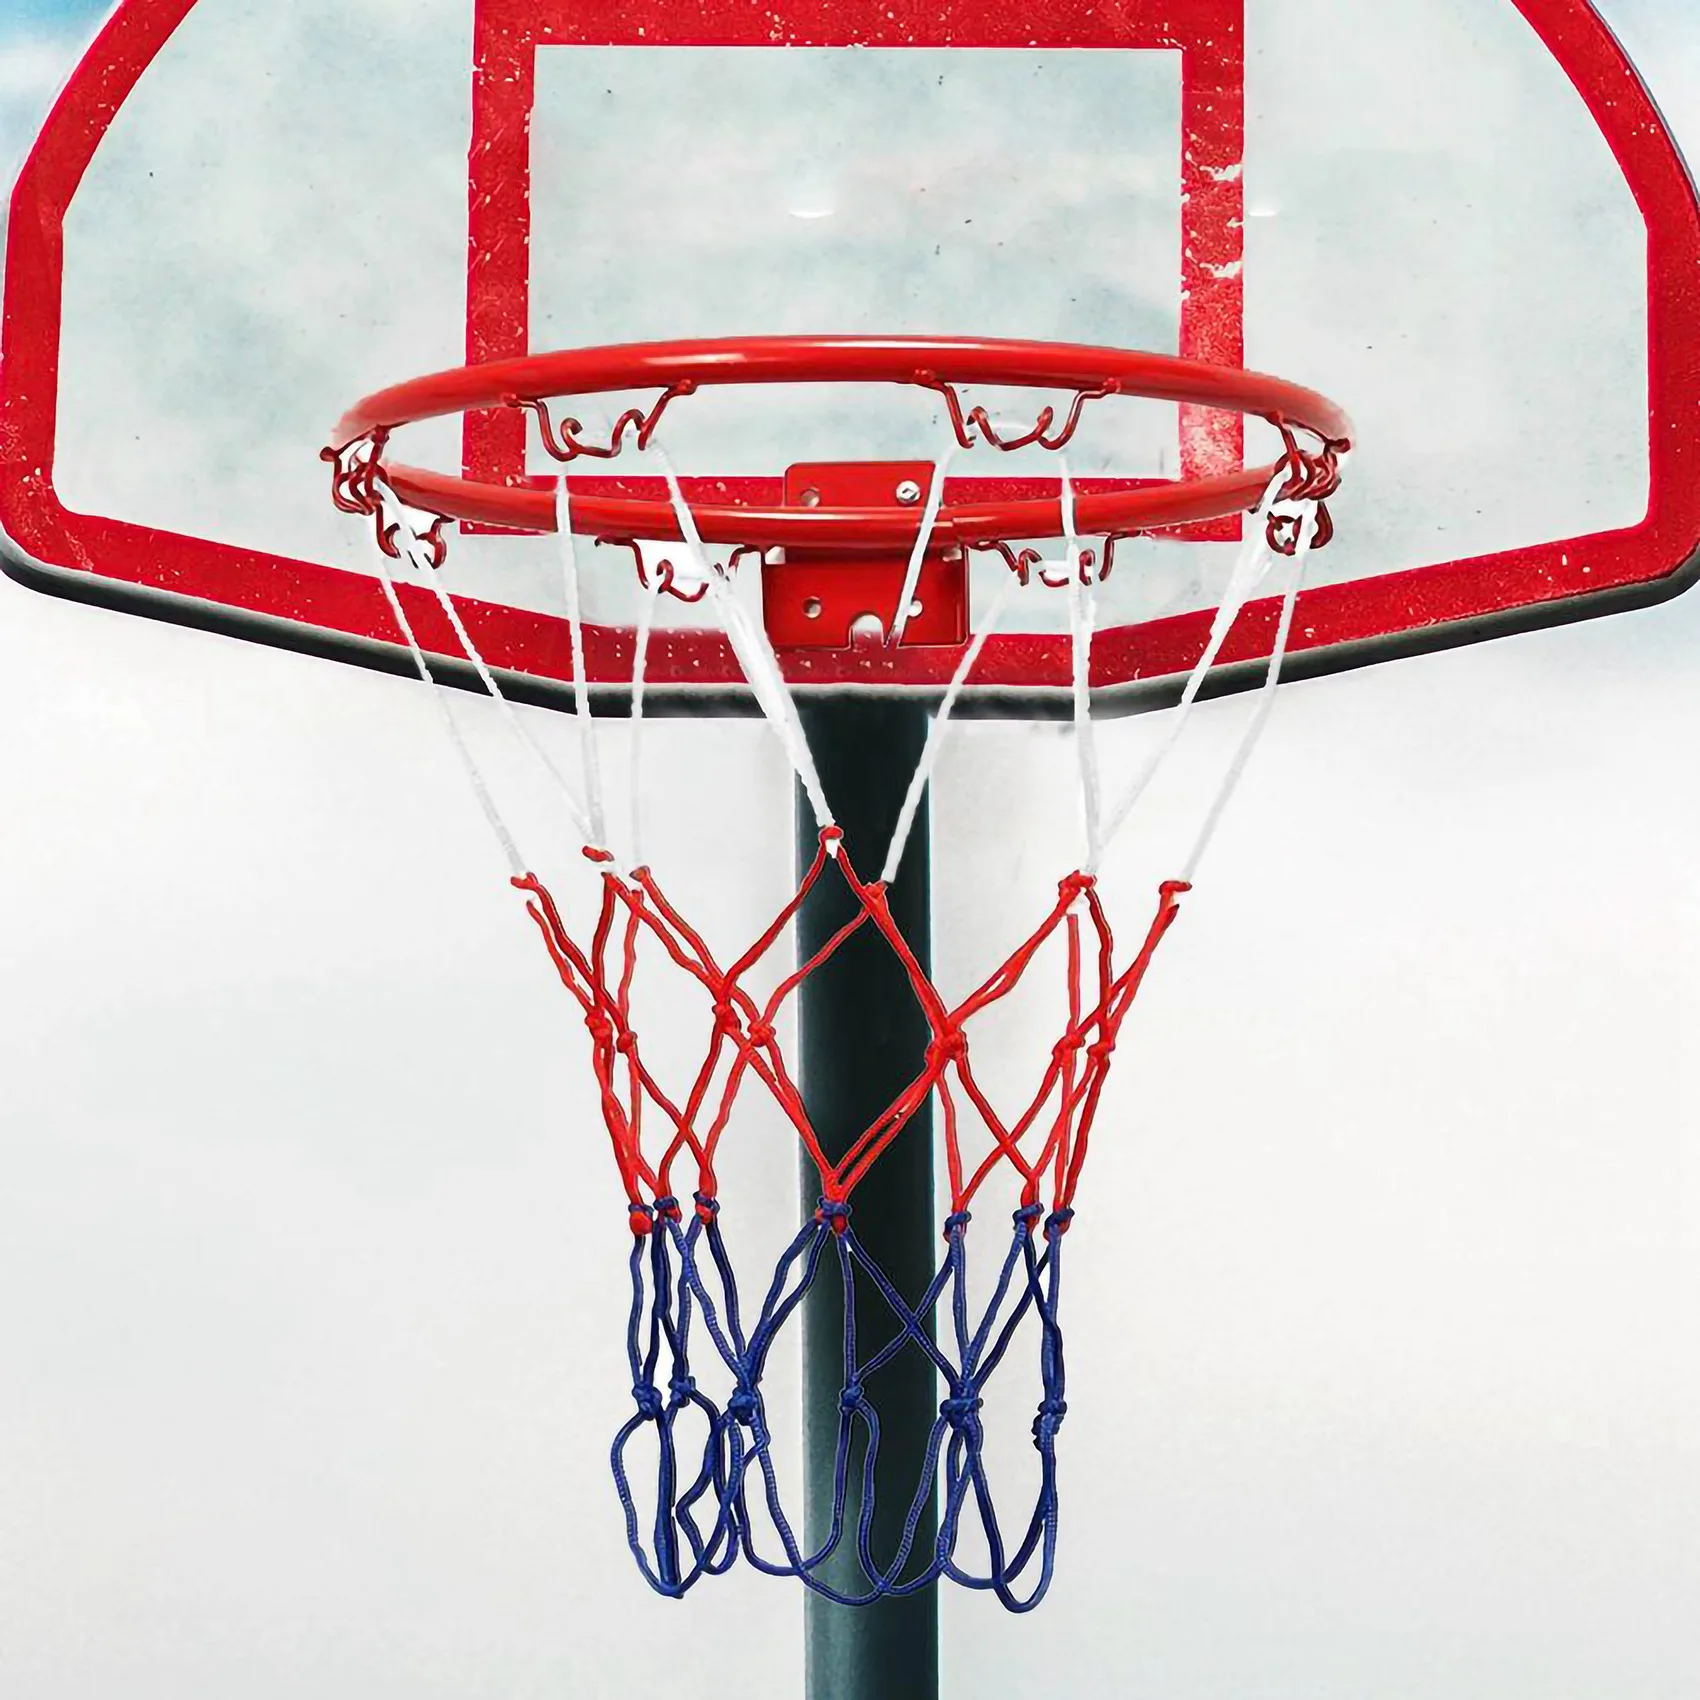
x=1384 y=1378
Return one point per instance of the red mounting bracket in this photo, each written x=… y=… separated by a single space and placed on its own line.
x=835 y=598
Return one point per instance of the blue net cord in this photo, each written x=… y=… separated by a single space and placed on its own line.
x=715 y=1493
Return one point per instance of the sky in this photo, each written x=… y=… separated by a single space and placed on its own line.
x=1387 y=1288
x=37 y=49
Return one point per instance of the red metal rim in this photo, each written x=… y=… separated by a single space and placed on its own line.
x=682 y=367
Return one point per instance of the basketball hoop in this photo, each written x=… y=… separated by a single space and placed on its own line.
x=939 y=365
x=697 y=1351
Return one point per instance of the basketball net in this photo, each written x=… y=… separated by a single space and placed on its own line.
x=698 y=1349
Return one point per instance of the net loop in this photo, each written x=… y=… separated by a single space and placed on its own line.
x=567 y=444
x=665 y=579
x=1093 y=566
x=359 y=486
x=1313 y=477
x=354 y=472
x=975 y=425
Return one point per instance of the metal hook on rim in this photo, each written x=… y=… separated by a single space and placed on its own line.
x=567 y=444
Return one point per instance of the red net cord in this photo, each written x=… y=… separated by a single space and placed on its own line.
x=653 y=1133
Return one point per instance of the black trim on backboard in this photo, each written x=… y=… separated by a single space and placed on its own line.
x=663 y=702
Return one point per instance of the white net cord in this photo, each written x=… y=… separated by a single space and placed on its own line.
x=1249 y=572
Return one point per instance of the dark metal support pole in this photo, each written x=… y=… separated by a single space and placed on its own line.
x=863 y=1038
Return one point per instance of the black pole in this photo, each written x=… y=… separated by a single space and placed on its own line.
x=862 y=1039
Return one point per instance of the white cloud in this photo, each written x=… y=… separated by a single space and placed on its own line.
x=32 y=68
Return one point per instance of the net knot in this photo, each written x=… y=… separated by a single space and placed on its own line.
x=1067 y=1045
x=600 y=857
x=650 y=1404
x=1056 y=1224
x=601 y=1028
x=668 y=1206
x=961 y=1409
x=641 y=1218
x=725 y=1015
x=1027 y=1215
x=950 y=1045
x=683 y=1388
x=835 y=1213
x=1049 y=1420
x=1101 y=1051
x=626 y=1042
x=1076 y=885
x=761 y=1033
x=957 y=1222
x=851 y=1399
x=744 y=1406
x=708 y=1206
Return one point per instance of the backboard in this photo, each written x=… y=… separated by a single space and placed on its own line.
x=1464 y=219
